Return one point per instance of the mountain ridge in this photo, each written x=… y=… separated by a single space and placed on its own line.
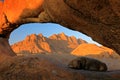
x=61 y=44
x=40 y=44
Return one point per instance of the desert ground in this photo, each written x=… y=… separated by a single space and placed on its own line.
x=112 y=63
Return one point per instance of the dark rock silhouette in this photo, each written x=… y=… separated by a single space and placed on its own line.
x=87 y=64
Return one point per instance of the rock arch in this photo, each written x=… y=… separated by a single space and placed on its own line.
x=99 y=19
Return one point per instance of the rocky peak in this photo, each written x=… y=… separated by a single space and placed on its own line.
x=62 y=36
x=31 y=37
x=81 y=41
x=40 y=35
x=38 y=43
x=54 y=36
x=34 y=37
x=73 y=39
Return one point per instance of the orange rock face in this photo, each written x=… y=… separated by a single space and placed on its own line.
x=91 y=49
x=40 y=44
x=32 y=44
x=1 y=5
x=15 y=8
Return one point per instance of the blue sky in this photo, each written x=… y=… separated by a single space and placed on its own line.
x=47 y=29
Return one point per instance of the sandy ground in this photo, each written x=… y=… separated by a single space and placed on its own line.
x=113 y=63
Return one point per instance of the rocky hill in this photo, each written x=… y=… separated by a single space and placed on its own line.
x=56 y=43
x=93 y=50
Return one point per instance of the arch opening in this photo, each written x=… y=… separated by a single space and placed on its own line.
x=69 y=39
x=47 y=29
x=103 y=32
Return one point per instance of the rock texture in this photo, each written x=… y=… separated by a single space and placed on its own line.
x=85 y=63
x=5 y=49
x=11 y=11
x=40 y=44
x=99 y=19
x=1 y=4
x=101 y=53
x=46 y=68
x=11 y=14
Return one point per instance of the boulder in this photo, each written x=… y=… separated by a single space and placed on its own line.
x=86 y=63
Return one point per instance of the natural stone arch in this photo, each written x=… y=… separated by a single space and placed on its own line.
x=10 y=17
x=99 y=19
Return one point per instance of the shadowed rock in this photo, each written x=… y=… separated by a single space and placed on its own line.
x=46 y=68
x=96 y=18
x=87 y=64
x=35 y=68
x=99 y=19
x=11 y=12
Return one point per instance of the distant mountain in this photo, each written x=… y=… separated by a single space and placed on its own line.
x=56 y=43
x=93 y=50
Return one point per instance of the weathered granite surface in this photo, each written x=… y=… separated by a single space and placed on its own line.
x=99 y=19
